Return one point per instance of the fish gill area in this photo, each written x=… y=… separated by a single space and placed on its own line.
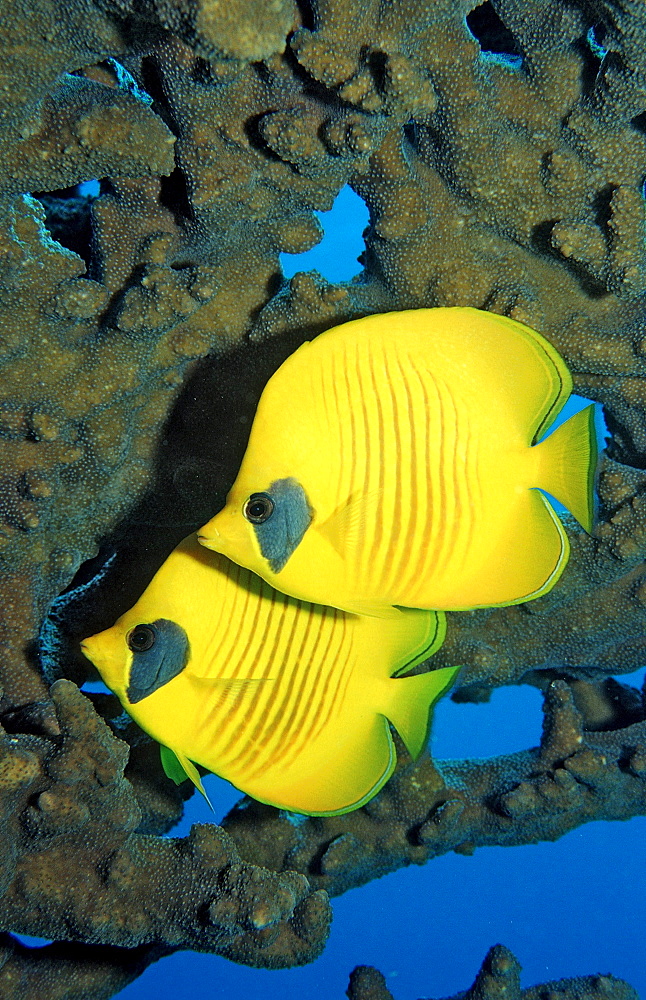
x=501 y=151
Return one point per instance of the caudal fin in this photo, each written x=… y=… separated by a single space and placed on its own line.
x=411 y=700
x=569 y=459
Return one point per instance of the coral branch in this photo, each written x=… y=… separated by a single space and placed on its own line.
x=69 y=797
x=70 y=972
x=429 y=808
x=500 y=976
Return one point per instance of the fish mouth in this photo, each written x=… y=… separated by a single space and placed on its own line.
x=208 y=540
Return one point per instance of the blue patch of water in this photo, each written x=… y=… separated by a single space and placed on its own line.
x=335 y=257
x=89 y=189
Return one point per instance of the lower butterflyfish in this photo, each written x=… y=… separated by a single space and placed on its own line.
x=291 y=702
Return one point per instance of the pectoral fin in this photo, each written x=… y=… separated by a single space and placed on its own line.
x=345 y=524
x=178 y=768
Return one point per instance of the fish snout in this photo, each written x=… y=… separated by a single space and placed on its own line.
x=94 y=649
x=208 y=540
x=91 y=651
x=210 y=535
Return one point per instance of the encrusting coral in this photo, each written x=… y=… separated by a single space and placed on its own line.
x=500 y=149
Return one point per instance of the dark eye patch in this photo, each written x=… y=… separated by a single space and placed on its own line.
x=166 y=658
x=281 y=533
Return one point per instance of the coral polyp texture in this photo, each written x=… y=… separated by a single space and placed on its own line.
x=500 y=149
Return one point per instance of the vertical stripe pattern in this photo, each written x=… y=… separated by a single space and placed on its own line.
x=409 y=470
x=278 y=672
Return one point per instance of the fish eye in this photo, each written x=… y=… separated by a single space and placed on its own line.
x=141 y=638
x=258 y=508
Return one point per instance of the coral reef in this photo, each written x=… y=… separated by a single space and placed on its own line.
x=500 y=976
x=67 y=796
x=500 y=149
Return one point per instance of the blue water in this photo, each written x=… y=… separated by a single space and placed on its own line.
x=335 y=257
x=569 y=908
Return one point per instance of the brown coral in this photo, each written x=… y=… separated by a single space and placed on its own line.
x=500 y=149
x=499 y=976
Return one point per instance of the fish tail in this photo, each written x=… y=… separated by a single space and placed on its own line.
x=569 y=459
x=411 y=700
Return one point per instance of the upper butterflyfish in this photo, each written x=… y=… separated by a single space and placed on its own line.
x=394 y=460
x=290 y=701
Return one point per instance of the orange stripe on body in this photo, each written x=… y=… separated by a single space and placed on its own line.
x=363 y=541
x=450 y=489
x=277 y=665
x=376 y=563
x=230 y=723
x=267 y=733
x=322 y=709
x=417 y=503
x=426 y=556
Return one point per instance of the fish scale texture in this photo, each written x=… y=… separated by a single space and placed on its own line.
x=134 y=351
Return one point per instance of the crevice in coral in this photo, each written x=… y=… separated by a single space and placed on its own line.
x=68 y=219
x=492 y=34
x=639 y=122
x=201 y=72
x=256 y=139
x=377 y=63
x=307 y=10
x=153 y=85
x=173 y=195
x=591 y=62
x=313 y=88
x=621 y=446
x=603 y=209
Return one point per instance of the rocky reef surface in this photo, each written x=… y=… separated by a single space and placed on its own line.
x=501 y=151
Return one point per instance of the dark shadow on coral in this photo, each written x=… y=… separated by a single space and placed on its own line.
x=202 y=73
x=621 y=446
x=541 y=242
x=639 y=122
x=197 y=460
x=491 y=33
x=153 y=85
x=256 y=138
x=603 y=210
x=591 y=62
x=68 y=218
x=377 y=63
x=308 y=16
x=76 y=965
x=173 y=195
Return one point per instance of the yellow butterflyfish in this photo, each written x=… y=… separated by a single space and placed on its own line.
x=289 y=701
x=394 y=460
